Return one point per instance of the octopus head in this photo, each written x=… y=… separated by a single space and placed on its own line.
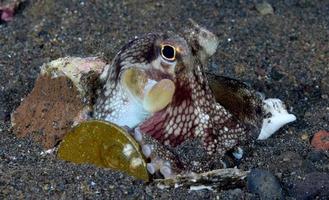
x=165 y=55
x=159 y=55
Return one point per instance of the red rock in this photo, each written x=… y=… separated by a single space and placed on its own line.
x=7 y=9
x=47 y=113
x=7 y=14
x=61 y=98
x=321 y=140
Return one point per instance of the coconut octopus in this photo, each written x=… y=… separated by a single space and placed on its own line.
x=158 y=89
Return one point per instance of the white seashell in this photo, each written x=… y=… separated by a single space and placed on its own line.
x=279 y=116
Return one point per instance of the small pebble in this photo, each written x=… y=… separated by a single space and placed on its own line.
x=317 y=156
x=305 y=137
x=264 y=8
x=314 y=185
x=276 y=74
x=239 y=69
x=324 y=96
x=264 y=184
x=321 y=140
x=7 y=13
x=289 y=161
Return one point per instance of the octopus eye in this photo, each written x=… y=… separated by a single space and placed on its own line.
x=168 y=52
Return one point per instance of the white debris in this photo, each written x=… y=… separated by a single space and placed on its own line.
x=200 y=187
x=48 y=151
x=162 y=186
x=278 y=117
x=178 y=185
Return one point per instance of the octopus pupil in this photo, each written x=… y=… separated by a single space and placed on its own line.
x=168 y=52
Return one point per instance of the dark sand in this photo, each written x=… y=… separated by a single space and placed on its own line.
x=285 y=55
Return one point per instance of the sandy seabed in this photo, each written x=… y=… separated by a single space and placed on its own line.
x=284 y=55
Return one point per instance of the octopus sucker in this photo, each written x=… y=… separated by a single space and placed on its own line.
x=157 y=86
x=159 y=96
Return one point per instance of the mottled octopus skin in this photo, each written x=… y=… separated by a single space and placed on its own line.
x=193 y=112
x=111 y=98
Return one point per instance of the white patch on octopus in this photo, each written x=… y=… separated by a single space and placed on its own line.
x=204 y=118
x=130 y=114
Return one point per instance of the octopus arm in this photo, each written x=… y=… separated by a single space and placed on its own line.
x=225 y=135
